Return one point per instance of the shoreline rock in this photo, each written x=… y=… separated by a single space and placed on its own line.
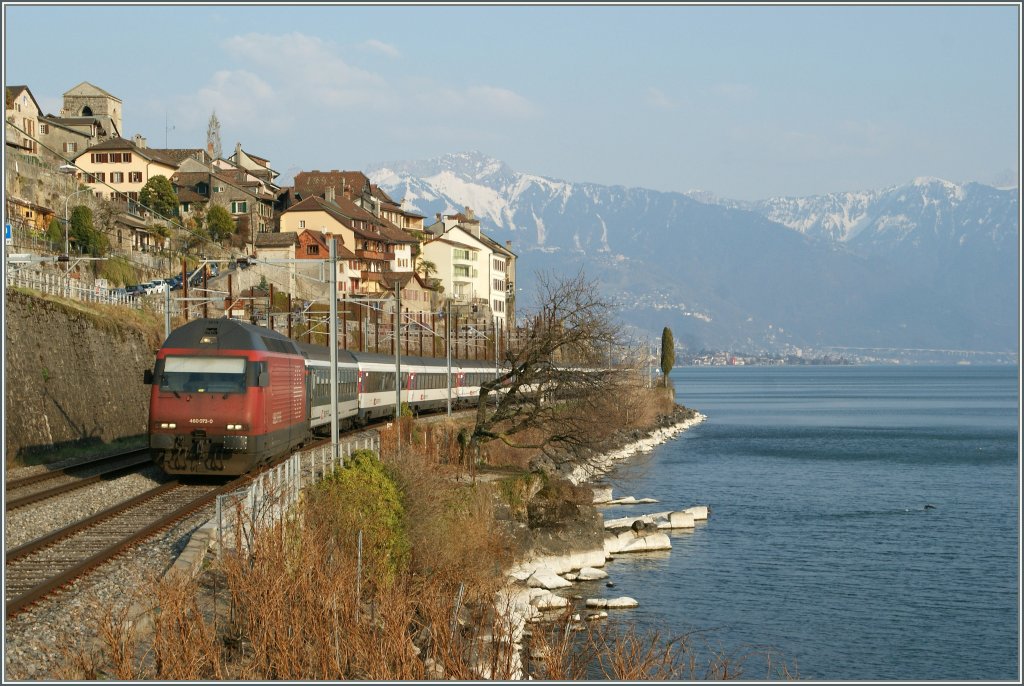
x=605 y=462
x=579 y=551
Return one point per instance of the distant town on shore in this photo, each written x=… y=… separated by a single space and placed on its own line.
x=718 y=358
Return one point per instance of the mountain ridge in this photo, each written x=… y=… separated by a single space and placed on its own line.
x=820 y=270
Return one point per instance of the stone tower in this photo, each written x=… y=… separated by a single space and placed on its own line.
x=86 y=100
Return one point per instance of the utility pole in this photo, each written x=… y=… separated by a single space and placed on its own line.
x=398 y=360
x=333 y=342
x=448 y=349
x=167 y=311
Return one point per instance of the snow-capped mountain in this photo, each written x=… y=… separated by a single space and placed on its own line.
x=927 y=264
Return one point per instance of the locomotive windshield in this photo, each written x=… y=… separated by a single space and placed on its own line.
x=203 y=375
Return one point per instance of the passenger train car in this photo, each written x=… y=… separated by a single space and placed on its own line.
x=227 y=395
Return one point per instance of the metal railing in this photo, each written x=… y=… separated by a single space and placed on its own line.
x=51 y=283
x=271 y=498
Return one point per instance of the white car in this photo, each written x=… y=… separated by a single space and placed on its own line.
x=155 y=286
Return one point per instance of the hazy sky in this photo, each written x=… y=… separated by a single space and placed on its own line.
x=743 y=101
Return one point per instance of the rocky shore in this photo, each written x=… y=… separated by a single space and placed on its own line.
x=576 y=546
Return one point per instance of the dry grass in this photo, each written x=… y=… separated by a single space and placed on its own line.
x=113 y=318
x=565 y=650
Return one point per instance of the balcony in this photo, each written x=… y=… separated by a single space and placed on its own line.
x=375 y=255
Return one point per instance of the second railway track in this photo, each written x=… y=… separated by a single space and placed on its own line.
x=33 y=489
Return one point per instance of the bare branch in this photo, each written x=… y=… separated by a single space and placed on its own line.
x=561 y=378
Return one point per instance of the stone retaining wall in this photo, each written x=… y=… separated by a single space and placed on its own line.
x=72 y=375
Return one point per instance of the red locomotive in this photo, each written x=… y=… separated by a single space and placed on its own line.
x=226 y=396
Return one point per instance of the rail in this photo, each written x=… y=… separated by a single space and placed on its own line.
x=40 y=567
x=131 y=464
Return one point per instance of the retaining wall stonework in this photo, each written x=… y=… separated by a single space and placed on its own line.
x=72 y=375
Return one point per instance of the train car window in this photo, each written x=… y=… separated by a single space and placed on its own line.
x=378 y=382
x=203 y=374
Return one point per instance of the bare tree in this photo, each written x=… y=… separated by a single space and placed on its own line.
x=554 y=392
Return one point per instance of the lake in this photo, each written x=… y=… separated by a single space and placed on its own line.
x=865 y=521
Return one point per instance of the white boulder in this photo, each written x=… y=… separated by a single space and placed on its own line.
x=698 y=511
x=678 y=520
x=631 y=542
x=630 y=500
x=612 y=603
x=550 y=601
x=547 y=579
x=682 y=519
x=591 y=574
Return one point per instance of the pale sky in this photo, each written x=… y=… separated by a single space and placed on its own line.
x=746 y=102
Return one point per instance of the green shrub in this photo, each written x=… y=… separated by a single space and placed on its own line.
x=364 y=497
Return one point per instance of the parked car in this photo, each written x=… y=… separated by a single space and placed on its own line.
x=156 y=286
x=136 y=290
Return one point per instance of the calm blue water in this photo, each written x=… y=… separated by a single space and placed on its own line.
x=819 y=545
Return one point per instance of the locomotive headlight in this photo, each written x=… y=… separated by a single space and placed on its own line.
x=236 y=427
x=168 y=425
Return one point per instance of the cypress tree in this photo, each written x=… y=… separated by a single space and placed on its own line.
x=668 y=353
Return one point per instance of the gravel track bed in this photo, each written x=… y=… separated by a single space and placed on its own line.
x=36 y=640
x=29 y=523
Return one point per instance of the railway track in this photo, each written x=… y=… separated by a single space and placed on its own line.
x=40 y=567
x=33 y=489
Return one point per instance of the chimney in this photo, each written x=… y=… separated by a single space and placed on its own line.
x=329 y=194
x=437 y=216
x=238 y=153
x=508 y=245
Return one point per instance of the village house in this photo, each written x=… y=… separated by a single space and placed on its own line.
x=394 y=213
x=302 y=267
x=21 y=117
x=379 y=246
x=199 y=187
x=90 y=115
x=255 y=165
x=475 y=271
x=119 y=168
